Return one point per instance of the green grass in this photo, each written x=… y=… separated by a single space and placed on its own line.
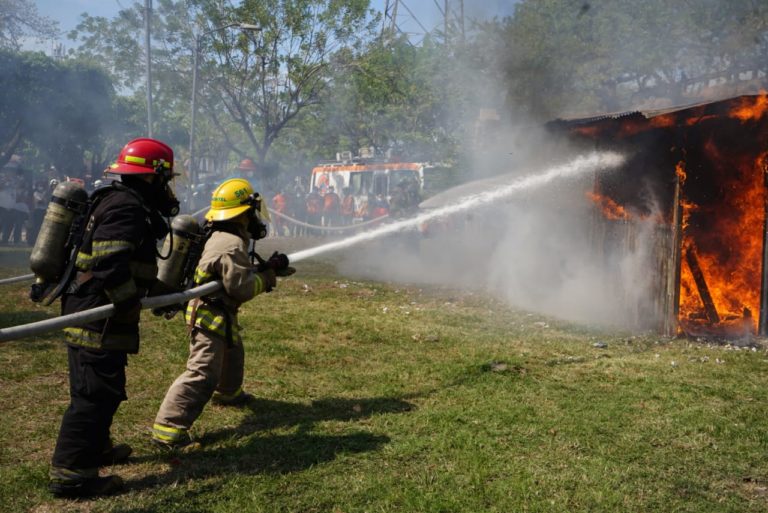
x=389 y=398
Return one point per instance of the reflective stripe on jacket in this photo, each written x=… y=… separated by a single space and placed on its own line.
x=225 y=257
x=117 y=261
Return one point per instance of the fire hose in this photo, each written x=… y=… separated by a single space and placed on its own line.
x=17 y=279
x=25 y=277
x=102 y=312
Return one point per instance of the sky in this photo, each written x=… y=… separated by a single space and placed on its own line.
x=426 y=12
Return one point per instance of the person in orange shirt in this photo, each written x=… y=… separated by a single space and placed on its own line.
x=279 y=205
x=314 y=204
x=331 y=207
x=380 y=207
x=347 y=207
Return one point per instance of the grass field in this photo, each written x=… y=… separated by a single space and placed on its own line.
x=380 y=397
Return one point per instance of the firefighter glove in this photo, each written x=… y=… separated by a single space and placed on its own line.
x=270 y=281
x=280 y=264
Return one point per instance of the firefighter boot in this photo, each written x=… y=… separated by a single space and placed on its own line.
x=239 y=398
x=71 y=484
x=115 y=454
x=173 y=439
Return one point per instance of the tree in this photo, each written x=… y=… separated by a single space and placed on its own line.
x=397 y=97
x=63 y=111
x=562 y=57
x=265 y=82
x=117 y=44
x=20 y=19
x=251 y=86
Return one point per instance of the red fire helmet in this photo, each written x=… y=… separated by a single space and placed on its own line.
x=144 y=156
x=247 y=165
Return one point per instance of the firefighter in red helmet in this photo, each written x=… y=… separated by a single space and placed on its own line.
x=247 y=166
x=116 y=263
x=248 y=170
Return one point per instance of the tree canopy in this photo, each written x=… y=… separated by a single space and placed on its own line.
x=318 y=78
x=561 y=56
x=20 y=19
x=66 y=110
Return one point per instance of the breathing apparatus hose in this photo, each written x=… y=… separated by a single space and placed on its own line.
x=102 y=312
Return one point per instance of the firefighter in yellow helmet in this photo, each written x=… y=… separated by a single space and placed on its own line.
x=216 y=358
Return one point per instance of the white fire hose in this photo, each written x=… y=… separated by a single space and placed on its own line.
x=17 y=279
x=356 y=226
x=102 y=312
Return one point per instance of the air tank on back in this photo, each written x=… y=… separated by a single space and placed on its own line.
x=185 y=236
x=49 y=257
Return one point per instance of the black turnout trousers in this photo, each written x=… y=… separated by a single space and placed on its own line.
x=96 y=388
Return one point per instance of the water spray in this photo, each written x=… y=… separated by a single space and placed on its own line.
x=584 y=164
x=581 y=165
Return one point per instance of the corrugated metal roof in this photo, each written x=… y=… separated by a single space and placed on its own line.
x=647 y=114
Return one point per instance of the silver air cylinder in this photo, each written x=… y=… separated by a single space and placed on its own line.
x=186 y=235
x=49 y=256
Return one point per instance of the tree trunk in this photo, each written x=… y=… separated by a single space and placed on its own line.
x=6 y=152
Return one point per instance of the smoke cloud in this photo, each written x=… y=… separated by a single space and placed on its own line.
x=540 y=250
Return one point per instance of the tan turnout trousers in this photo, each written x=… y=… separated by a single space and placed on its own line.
x=211 y=367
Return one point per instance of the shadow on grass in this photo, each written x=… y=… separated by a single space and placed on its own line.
x=170 y=503
x=9 y=319
x=269 y=414
x=271 y=454
x=276 y=453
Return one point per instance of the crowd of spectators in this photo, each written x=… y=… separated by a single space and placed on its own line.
x=325 y=207
x=22 y=206
x=23 y=201
x=24 y=198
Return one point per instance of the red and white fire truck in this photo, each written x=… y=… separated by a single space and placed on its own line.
x=365 y=177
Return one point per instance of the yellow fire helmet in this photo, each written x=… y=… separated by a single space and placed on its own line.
x=234 y=197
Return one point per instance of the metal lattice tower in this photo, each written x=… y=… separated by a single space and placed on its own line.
x=453 y=18
x=389 y=24
x=451 y=13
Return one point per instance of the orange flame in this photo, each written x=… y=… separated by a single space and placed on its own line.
x=688 y=207
x=724 y=231
x=610 y=209
x=680 y=172
x=751 y=109
x=698 y=119
x=589 y=131
x=729 y=251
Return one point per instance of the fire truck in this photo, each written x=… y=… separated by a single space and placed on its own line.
x=366 y=177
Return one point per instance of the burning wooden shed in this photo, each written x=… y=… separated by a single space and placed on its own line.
x=698 y=175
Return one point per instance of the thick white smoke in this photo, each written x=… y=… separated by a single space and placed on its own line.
x=554 y=262
x=545 y=250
